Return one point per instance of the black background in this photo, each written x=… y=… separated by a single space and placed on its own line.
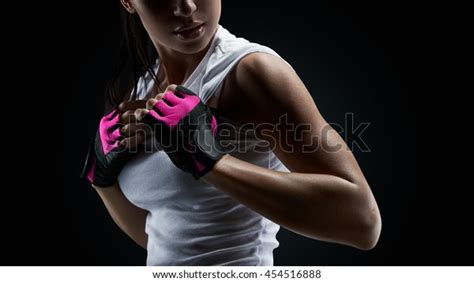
x=353 y=57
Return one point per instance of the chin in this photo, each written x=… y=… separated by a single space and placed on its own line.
x=190 y=49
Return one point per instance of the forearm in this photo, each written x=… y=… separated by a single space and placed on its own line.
x=318 y=206
x=127 y=216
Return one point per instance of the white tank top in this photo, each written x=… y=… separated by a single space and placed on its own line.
x=191 y=222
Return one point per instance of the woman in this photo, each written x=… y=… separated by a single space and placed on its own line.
x=215 y=205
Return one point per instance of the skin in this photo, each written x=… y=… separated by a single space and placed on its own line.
x=325 y=196
x=162 y=17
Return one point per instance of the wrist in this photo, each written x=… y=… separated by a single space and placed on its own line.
x=96 y=187
x=217 y=168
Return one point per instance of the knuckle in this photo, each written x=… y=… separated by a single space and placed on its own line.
x=140 y=113
x=125 y=128
x=150 y=103
x=122 y=106
x=127 y=116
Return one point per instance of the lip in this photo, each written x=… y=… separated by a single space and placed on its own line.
x=188 y=27
x=190 y=32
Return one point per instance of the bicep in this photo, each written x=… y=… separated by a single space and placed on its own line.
x=299 y=135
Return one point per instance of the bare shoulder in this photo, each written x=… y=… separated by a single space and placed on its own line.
x=260 y=80
x=262 y=72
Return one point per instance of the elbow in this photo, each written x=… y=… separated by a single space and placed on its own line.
x=370 y=230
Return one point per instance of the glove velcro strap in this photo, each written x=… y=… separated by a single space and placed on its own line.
x=203 y=150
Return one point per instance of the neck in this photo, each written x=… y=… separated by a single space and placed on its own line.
x=177 y=67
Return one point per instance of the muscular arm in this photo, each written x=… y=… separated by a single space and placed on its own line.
x=325 y=196
x=127 y=216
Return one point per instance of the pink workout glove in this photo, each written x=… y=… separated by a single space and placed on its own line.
x=106 y=156
x=186 y=129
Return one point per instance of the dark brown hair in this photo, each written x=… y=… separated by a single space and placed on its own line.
x=136 y=56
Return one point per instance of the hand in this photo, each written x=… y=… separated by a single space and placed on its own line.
x=133 y=131
x=115 y=143
x=185 y=128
